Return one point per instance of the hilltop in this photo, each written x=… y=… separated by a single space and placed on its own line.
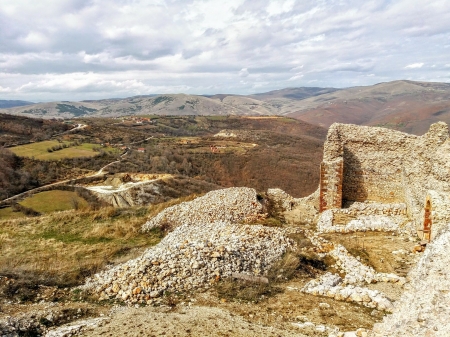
x=406 y=106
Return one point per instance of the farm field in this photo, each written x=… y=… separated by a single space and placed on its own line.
x=53 y=201
x=40 y=150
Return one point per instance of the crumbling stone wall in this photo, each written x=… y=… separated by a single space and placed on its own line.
x=382 y=165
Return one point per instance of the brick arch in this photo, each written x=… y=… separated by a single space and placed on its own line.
x=427 y=221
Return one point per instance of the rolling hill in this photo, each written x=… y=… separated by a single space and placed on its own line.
x=4 y=104
x=173 y=104
x=403 y=105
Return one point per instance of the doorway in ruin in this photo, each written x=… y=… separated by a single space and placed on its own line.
x=427 y=221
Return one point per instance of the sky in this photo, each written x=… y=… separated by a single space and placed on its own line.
x=90 y=49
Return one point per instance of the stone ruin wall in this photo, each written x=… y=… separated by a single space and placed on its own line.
x=386 y=166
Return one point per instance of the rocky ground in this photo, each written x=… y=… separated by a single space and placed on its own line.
x=318 y=284
x=183 y=321
x=233 y=204
x=194 y=255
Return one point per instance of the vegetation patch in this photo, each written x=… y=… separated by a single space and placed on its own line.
x=10 y=213
x=77 y=111
x=162 y=99
x=62 y=249
x=56 y=200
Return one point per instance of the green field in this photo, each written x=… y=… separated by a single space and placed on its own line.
x=52 y=201
x=8 y=213
x=39 y=150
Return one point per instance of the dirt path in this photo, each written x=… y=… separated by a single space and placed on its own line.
x=114 y=162
x=62 y=182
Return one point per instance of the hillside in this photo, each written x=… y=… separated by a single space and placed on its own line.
x=402 y=105
x=20 y=129
x=173 y=104
x=264 y=151
x=294 y=93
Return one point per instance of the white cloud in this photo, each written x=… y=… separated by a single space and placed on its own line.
x=295 y=77
x=414 y=66
x=202 y=46
x=244 y=72
x=277 y=7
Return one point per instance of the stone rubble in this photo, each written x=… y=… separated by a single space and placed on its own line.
x=331 y=285
x=75 y=328
x=39 y=320
x=357 y=272
x=361 y=224
x=194 y=255
x=356 y=275
x=374 y=208
x=315 y=329
x=13 y=327
x=229 y=205
x=306 y=207
x=361 y=332
x=366 y=216
x=424 y=307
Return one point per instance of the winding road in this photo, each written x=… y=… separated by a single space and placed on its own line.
x=62 y=182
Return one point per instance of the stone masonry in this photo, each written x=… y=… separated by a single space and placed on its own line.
x=387 y=166
x=331 y=175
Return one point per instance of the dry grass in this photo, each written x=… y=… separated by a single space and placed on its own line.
x=375 y=249
x=63 y=248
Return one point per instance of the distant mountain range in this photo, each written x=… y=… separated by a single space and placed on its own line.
x=403 y=105
x=4 y=104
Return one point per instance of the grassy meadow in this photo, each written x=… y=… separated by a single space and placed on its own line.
x=53 y=201
x=63 y=248
x=39 y=150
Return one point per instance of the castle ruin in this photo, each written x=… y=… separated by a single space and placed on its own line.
x=381 y=166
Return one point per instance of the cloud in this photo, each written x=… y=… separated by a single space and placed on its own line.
x=5 y=90
x=244 y=72
x=414 y=66
x=210 y=46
